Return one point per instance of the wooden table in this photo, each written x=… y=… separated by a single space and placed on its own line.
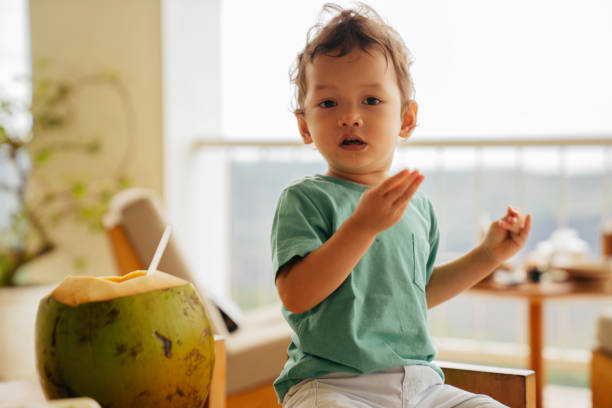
x=536 y=294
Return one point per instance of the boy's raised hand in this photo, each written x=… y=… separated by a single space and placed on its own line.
x=507 y=235
x=382 y=206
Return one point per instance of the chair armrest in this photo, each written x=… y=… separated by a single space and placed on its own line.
x=512 y=387
x=216 y=392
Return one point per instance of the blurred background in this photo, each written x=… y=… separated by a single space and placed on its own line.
x=514 y=108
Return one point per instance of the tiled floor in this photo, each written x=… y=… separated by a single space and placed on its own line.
x=557 y=396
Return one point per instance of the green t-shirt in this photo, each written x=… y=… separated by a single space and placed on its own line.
x=377 y=318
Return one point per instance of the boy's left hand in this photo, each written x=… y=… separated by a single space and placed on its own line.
x=507 y=235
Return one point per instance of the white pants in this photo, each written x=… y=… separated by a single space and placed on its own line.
x=402 y=387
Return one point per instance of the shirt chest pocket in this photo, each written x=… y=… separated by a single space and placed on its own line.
x=420 y=255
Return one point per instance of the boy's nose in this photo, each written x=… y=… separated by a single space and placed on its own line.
x=350 y=120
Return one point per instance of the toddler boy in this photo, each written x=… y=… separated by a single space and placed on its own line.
x=354 y=249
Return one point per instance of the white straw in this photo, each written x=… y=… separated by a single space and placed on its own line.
x=160 y=250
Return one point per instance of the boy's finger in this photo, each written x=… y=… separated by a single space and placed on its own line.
x=511 y=225
x=525 y=229
x=401 y=187
x=520 y=236
x=513 y=211
x=523 y=234
x=394 y=181
x=410 y=190
x=516 y=217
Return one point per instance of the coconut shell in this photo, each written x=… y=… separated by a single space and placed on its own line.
x=149 y=346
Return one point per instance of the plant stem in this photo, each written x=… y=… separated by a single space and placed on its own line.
x=22 y=256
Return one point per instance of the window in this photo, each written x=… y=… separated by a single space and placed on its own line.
x=481 y=68
x=14 y=72
x=14 y=48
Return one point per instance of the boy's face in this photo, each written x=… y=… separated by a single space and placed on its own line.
x=353 y=114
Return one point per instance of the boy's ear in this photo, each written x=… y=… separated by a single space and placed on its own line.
x=409 y=118
x=303 y=127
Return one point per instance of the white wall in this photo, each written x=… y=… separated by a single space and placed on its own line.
x=82 y=37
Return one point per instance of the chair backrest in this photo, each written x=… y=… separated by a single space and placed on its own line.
x=135 y=223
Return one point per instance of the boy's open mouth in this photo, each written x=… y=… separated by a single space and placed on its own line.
x=348 y=142
x=351 y=140
x=352 y=143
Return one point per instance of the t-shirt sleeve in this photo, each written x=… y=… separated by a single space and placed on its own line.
x=434 y=240
x=299 y=227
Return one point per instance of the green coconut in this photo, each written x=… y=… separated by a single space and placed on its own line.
x=134 y=341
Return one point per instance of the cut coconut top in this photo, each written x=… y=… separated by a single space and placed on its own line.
x=75 y=290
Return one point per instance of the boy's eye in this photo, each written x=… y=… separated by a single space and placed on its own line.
x=328 y=103
x=370 y=100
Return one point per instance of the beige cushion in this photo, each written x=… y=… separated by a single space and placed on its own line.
x=604 y=332
x=257 y=351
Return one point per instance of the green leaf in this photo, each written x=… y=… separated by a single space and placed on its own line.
x=6 y=263
x=79 y=189
x=3 y=135
x=42 y=85
x=94 y=147
x=84 y=213
x=124 y=182
x=42 y=156
x=49 y=120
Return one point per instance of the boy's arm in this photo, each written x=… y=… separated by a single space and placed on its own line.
x=504 y=238
x=304 y=284
x=454 y=277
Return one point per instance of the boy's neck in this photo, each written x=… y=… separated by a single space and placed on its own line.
x=366 y=179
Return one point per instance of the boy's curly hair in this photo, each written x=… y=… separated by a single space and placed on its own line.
x=361 y=27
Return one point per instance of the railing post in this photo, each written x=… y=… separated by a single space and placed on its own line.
x=562 y=220
x=479 y=194
x=520 y=184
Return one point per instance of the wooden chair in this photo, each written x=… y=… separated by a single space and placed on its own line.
x=512 y=387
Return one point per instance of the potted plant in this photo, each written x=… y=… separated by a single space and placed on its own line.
x=34 y=201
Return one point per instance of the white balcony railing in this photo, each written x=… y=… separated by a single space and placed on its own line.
x=543 y=154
